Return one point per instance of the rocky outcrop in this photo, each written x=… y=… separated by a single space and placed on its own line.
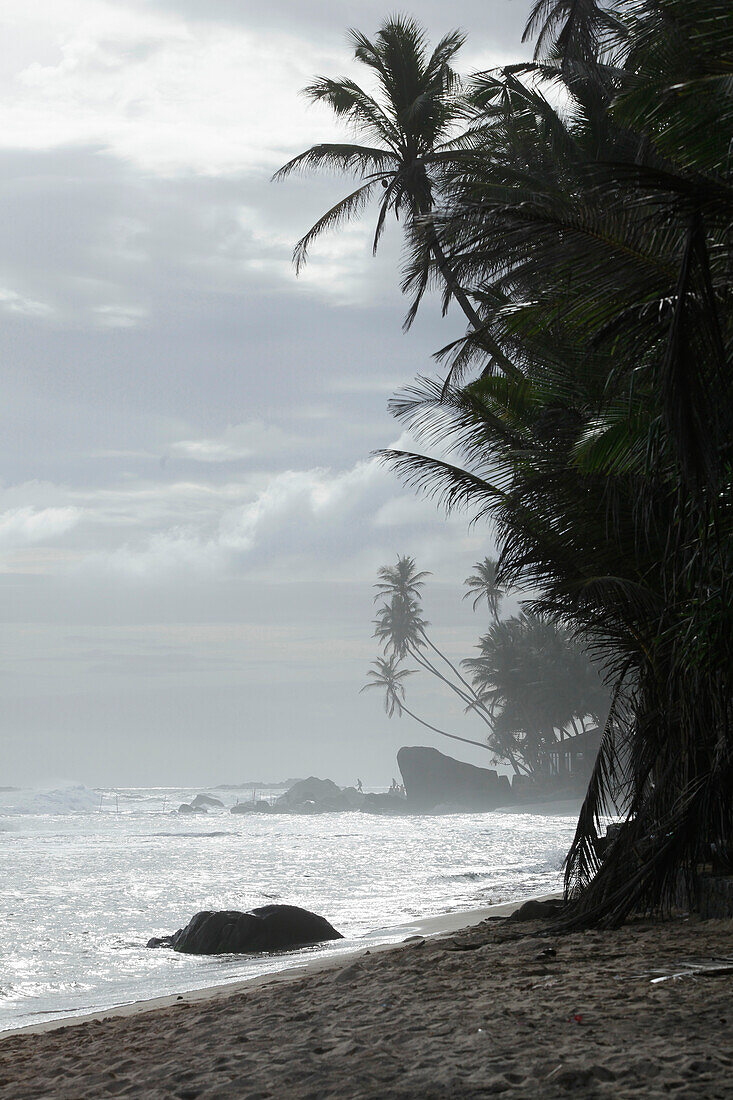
x=323 y=796
x=433 y=780
x=206 y=800
x=311 y=790
x=352 y=799
x=318 y=796
x=269 y=928
x=189 y=808
x=390 y=805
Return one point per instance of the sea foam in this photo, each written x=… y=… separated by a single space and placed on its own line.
x=65 y=799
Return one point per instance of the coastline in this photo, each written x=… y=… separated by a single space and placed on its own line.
x=498 y=1008
x=440 y=924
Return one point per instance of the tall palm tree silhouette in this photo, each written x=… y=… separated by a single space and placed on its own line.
x=482 y=585
x=402 y=632
x=386 y=674
x=410 y=127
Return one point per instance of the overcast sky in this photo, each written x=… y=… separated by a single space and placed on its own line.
x=190 y=520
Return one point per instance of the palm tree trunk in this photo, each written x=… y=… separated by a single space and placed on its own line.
x=457 y=291
x=453 y=736
x=467 y=697
x=452 y=667
x=470 y=697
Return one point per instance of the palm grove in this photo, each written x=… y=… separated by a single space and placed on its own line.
x=531 y=685
x=577 y=209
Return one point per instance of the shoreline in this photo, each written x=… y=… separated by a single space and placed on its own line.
x=497 y=1008
x=442 y=924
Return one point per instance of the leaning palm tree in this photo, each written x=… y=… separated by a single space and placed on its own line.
x=385 y=674
x=409 y=126
x=400 y=627
x=402 y=632
x=388 y=676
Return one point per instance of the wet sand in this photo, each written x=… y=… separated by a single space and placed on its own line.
x=497 y=1009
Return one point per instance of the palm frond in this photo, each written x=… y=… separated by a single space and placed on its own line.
x=344 y=209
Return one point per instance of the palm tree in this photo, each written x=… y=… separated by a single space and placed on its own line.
x=482 y=585
x=409 y=126
x=388 y=676
x=402 y=631
x=600 y=231
x=537 y=681
x=570 y=30
x=402 y=579
x=399 y=626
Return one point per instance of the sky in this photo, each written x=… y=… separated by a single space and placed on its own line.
x=191 y=518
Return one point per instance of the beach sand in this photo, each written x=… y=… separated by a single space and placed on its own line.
x=497 y=1009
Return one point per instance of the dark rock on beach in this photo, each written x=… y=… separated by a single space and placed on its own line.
x=433 y=780
x=537 y=910
x=269 y=928
x=190 y=808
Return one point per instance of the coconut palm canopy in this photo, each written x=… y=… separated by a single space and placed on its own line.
x=410 y=126
x=531 y=686
x=597 y=235
x=586 y=215
x=483 y=586
x=539 y=686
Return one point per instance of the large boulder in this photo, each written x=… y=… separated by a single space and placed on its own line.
x=433 y=779
x=189 y=808
x=537 y=909
x=228 y=932
x=308 y=794
x=204 y=800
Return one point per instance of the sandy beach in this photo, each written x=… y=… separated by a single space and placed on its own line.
x=497 y=1008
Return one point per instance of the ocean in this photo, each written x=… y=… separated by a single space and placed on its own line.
x=88 y=876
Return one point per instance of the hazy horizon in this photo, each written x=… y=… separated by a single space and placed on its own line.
x=190 y=519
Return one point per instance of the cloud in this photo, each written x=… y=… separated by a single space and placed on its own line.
x=497 y=25
x=298 y=524
x=119 y=316
x=306 y=524
x=185 y=426
x=237 y=442
x=13 y=302
x=195 y=87
x=27 y=526
x=162 y=94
